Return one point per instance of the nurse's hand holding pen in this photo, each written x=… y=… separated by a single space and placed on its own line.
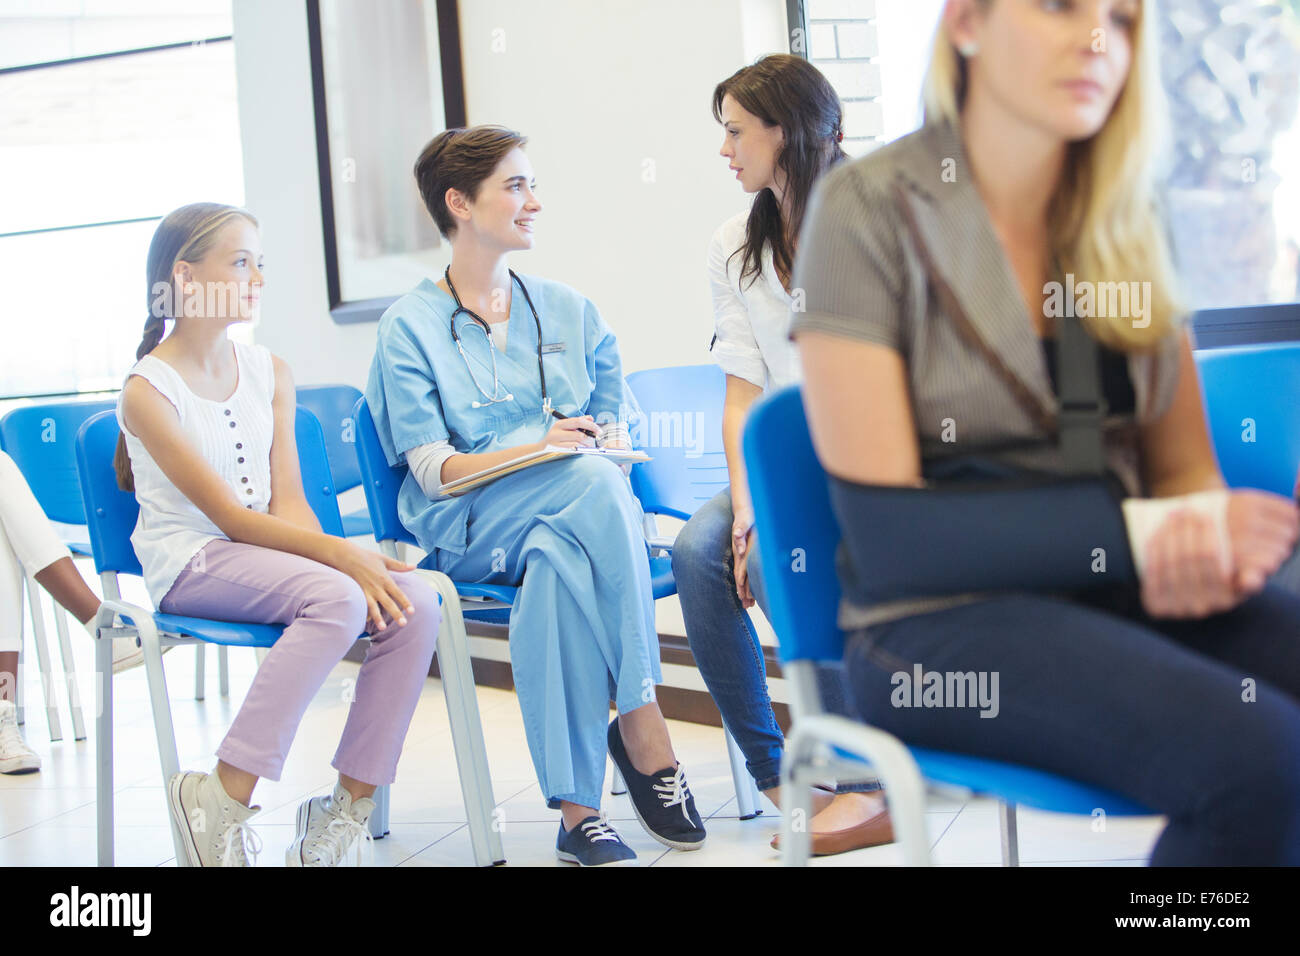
x=572 y=433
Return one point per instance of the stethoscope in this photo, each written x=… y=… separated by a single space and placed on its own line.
x=487 y=332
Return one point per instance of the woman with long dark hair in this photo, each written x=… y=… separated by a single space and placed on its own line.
x=782 y=130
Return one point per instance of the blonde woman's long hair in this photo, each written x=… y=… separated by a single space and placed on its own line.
x=1103 y=220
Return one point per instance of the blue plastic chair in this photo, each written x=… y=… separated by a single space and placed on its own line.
x=489 y=602
x=1252 y=404
x=39 y=438
x=112 y=515
x=797 y=538
x=681 y=428
x=332 y=405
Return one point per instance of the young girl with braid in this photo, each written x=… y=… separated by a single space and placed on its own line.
x=225 y=532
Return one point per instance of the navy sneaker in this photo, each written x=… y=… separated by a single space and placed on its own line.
x=593 y=842
x=662 y=800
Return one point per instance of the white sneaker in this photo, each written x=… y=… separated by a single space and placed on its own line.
x=15 y=756
x=214 y=825
x=329 y=828
x=128 y=654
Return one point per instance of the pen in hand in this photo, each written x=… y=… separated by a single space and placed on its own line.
x=556 y=415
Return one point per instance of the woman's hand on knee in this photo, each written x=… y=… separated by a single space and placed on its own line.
x=371 y=572
x=1188 y=570
x=1262 y=529
x=742 y=542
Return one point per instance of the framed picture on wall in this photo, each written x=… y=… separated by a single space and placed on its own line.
x=386 y=78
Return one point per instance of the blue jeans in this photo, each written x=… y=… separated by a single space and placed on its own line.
x=726 y=647
x=1198 y=720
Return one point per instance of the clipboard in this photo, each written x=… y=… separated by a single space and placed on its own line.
x=549 y=453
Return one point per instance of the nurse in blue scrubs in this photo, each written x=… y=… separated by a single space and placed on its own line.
x=477 y=366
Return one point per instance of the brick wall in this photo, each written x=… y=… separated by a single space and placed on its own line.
x=842 y=44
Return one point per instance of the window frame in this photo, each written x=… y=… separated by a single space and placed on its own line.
x=453 y=94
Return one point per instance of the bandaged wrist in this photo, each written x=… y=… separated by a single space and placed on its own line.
x=615 y=434
x=1144 y=516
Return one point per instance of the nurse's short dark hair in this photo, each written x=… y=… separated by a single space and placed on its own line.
x=460 y=159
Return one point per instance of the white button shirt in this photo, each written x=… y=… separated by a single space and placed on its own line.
x=751 y=319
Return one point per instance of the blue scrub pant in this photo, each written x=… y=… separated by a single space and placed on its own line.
x=570 y=535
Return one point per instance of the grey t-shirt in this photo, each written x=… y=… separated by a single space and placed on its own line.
x=863 y=277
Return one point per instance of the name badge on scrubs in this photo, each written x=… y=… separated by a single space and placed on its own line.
x=553 y=347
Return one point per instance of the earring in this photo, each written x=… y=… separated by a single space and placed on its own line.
x=968 y=49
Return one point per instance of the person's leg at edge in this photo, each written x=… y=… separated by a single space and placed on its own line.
x=1070 y=687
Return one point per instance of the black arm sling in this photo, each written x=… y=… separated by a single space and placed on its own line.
x=982 y=525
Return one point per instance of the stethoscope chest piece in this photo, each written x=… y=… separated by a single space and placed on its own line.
x=494 y=398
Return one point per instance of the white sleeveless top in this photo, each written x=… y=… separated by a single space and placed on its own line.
x=234 y=438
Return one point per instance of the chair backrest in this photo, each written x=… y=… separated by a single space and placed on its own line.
x=682 y=428
x=1252 y=405
x=797 y=530
x=111 y=512
x=317 y=475
x=41 y=439
x=380 y=481
x=332 y=405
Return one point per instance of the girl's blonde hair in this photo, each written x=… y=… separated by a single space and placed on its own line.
x=1103 y=220
x=186 y=234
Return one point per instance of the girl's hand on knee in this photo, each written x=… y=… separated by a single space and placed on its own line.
x=383 y=597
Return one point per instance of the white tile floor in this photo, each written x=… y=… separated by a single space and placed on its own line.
x=49 y=818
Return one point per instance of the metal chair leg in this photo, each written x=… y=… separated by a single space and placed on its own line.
x=796 y=834
x=69 y=674
x=466 y=726
x=1010 y=839
x=223 y=670
x=617 y=786
x=43 y=661
x=379 y=818
x=104 y=745
x=200 y=669
x=747 y=801
x=20 y=699
x=162 y=719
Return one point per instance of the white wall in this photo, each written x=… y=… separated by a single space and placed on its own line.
x=615 y=99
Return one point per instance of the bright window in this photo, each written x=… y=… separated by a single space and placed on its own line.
x=95 y=147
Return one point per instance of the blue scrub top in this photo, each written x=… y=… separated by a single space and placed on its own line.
x=420 y=390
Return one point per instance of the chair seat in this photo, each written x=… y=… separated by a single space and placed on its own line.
x=662 y=582
x=80 y=548
x=219 y=632
x=357 y=524
x=504 y=593
x=1024 y=786
x=1014 y=783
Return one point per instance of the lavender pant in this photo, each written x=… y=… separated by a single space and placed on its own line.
x=324 y=612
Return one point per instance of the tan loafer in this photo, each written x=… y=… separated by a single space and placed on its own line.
x=874 y=831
